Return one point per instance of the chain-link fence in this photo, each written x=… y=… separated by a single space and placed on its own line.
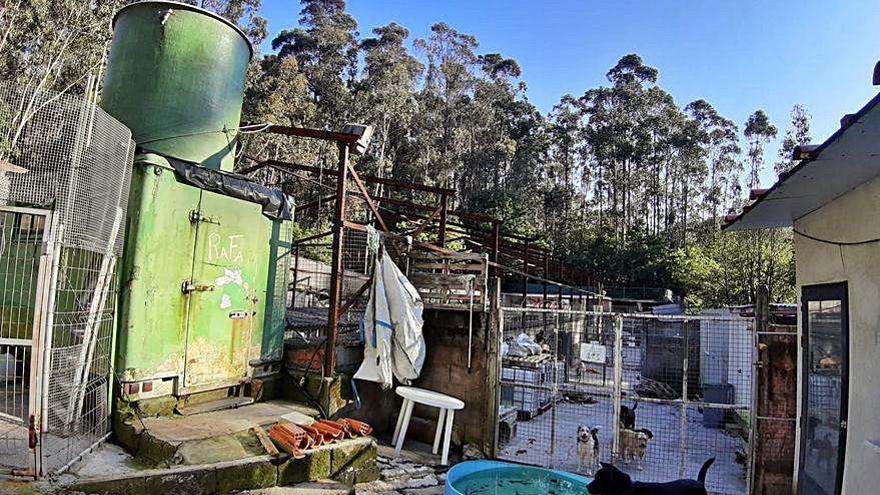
x=655 y=395
x=66 y=167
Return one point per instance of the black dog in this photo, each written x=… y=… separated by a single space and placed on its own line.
x=611 y=481
x=628 y=416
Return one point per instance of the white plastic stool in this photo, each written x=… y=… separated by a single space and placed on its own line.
x=447 y=405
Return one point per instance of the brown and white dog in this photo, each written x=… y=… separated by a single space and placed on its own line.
x=589 y=449
x=634 y=445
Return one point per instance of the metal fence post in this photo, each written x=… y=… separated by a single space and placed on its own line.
x=618 y=385
x=495 y=349
x=553 y=392
x=682 y=435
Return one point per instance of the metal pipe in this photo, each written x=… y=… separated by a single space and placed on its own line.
x=54 y=254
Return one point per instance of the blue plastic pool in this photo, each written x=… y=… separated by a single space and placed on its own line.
x=501 y=478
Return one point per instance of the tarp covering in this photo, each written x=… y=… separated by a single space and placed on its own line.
x=276 y=204
x=394 y=346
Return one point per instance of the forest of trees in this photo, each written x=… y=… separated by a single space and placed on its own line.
x=621 y=179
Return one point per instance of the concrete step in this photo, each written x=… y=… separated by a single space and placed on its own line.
x=346 y=463
x=209 y=437
x=325 y=487
x=216 y=405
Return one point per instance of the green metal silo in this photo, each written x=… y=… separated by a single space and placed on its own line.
x=201 y=292
x=176 y=78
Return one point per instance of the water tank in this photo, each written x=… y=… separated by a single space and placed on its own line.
x=175 y=77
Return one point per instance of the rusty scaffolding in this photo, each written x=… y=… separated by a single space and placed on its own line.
x=330 y=279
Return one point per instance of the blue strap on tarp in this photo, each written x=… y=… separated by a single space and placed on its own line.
x=357 y=396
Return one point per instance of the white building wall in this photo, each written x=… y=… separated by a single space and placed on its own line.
x=854 y=216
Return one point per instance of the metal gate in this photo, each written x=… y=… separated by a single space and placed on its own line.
x=688 y=379
x=57 y=272
x=24 y=267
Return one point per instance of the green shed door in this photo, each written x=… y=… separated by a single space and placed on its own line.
x=230 y=260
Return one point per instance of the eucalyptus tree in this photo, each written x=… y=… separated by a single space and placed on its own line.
x=326 y=51
x=758 y=132
x=566 y=133
x=445 y=100
x=617 y=137
x=489 y=123
x=244 y=13
x=797 y=134
x=719 y=137
x=385 y=96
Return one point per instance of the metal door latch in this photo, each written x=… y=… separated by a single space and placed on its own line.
x=187 y=287
x=195 y=217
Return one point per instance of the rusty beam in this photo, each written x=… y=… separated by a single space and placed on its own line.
x=427 y=223
x=295 y=274
x=339 y=137
x=315 y=203
x=336 y=268
x=424 y=245
x=313 y=237
x=476 y=217
x=366 y=196
x=348 y=304
x=282 y=165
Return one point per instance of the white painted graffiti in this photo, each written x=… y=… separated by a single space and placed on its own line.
x=225 y=302
x=228 y=249
x=229 y=277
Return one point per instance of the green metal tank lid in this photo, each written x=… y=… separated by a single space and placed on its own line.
x=192 y=8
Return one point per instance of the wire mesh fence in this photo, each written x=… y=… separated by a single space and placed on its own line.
x=655 y=395
x=64 y=182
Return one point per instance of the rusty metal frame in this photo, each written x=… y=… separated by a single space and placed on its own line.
x=476 y=229
x=336 y=273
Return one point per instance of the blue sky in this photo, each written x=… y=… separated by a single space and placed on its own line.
x=739 y=55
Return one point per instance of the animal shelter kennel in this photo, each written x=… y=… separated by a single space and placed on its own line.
x=690 y=379
x=63 y=194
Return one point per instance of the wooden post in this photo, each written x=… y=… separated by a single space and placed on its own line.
x=772 y=440
x=525 y=278
x=336 y=270
x=444 y=209
x=559 y=288
x=496 y=235
x=546 y=274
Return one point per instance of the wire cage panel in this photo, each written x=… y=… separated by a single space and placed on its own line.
x=656 y=395
x=63 y=193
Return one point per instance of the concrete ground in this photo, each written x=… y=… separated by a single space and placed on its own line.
x=416 y=472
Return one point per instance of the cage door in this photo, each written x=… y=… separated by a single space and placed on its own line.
x=23 y=267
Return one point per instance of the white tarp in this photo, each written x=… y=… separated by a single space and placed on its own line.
x=392 y=327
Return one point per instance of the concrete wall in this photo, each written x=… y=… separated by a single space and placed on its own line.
x=446 y=371
x=852 y=217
